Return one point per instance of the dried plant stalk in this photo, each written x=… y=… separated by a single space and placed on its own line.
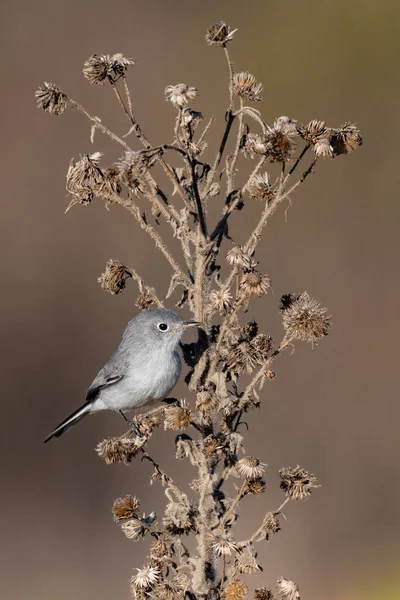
x=227 y=350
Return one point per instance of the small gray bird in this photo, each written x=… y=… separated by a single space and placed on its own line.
x=144 y=368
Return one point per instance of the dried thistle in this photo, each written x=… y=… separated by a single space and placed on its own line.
x=220 y=300
x=180 y=94
x=255 y=284
x=255 y=486
x=286 y=589
x=219 y=34
x=145 y=301
x=306 y=320
x=237 y=257
x=280 y=140
x=206 y=402
x=272 y=523
x=145 y=578
x=260 y=188
x=51 y=99
x=247 y=87
x=177 y=417
x=236 y=590
x=263 y=594
x=102 y=67
x=125 y=508
x=135 y=529
x=113 y=280
x=180 y=517
x=116 y=450
x=250 y=467
x=84 y=178
x=345 y=139
x=297 y=483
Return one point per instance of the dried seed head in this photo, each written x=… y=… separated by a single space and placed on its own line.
x=254 y=144
x=145 y=578
x=241 y=357
x=206 y=402
x=114 y=277
x=236 y=590
x=145 y=301
x=263 y=594
x=84 y=178
x=250 y=467
x=286 y=589
x=297 y=483
x=345 y=139
x=305 y=320
x=237 y=257
x=134 y=529
x=133 y=169
x=211 y=444
x=280 y=139
x=220 y=300
x=272 y=523
x=97 y=68
x=51 y=98
x=148 y=423
x=323 y=148
x=160 y=552
x=120 y=64
x=245 y=561
x=268 y=374
x=249 y=330
x=255 y=284
x=180 y=517
x=246 y=86
x=110 y=186
x=168 y=591
x=177 y=417
x=313 y=131
x=224 y=547
x=219 y=34
x=116 y=450
x=259 y=188
x=126 y=508
x=255 y=486
x=180 y=94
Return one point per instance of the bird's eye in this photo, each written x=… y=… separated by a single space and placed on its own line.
x=162 y=326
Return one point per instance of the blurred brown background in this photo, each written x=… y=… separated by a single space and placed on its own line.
x=334 y=410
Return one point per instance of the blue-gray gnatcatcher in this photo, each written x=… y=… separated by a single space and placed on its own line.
x=144 y=368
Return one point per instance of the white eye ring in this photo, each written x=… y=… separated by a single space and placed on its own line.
x=163 y=327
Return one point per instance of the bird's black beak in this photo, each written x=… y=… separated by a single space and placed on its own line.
x=191 y=323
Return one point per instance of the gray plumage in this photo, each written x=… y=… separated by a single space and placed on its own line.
x=143 y=370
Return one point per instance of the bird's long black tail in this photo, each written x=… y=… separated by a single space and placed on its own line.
x=69 y=422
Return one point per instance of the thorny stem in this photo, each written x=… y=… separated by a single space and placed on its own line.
x=230 y=511
x=232 y=166
x=299 y=159
x=229 y=120
x=230 y=67
x=99 y=125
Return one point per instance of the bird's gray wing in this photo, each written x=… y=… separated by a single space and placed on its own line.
x=111 y=373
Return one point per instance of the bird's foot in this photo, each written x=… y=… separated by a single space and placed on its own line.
x=134 y=424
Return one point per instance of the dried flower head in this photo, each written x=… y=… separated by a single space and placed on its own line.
x=305 y=319
x=259 y=188
x=168 y=590
x=312 y=131
x=246 y=86
x=177 y=417
x=51 y=99
x=323 y=148
x=145 y=578
x=249 y=330
x=236 y=590
x=345 y=139
x=224 y=547
x=263 y=594
x=250 y=467
x=286 y=589
x=97 y=68
x=238 y=258
x=160 y=552
x=268 y=374
x=180 y=94
x=219 y=34
x=145 y=301
x=255 y=486
x=133 y=169
x=135 y=529
x=297 y=483
x=220 y=300
x=116 y=450
x=84 y=178
x=272 y=523
x=280 y=139
x=102 y=67
x=114 y=277
x=245 y=561
x=125 y=508
x=180 y=517
x=255 y=284
x=254 y=144
x=212 y=444
x=206 y=402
